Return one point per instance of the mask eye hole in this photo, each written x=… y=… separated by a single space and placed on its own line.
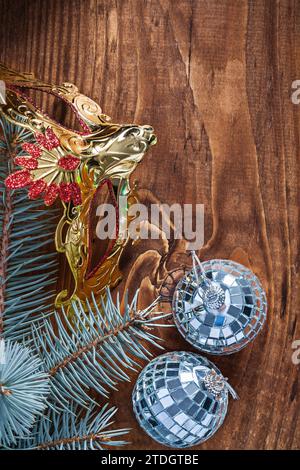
x=58 y=109
x=100 y=249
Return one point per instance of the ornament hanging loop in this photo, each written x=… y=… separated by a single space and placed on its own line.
x=231 y=390
x=196 y=262
x=212 y=293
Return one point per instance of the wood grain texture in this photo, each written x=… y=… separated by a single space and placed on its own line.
x=214 y=79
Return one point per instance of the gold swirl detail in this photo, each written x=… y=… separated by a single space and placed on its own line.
x=88 y=109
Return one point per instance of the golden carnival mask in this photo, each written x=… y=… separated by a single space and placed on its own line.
x=82 y=169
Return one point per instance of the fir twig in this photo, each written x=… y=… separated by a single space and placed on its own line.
x=25 y=236
x=24 y=387
x=74 y=430
x=26 y=273
x=97 y=348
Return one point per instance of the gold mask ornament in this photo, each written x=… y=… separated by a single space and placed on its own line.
x=82 y=169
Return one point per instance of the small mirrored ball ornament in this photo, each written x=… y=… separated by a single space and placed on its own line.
x=180 y=399
x=219 y=306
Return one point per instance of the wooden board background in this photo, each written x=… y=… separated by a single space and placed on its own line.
x=214 y=79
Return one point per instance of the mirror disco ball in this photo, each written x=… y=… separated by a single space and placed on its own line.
x=220 y=308
x=180 y=399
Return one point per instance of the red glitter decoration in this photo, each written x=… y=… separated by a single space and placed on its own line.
x=29 y=163
x=75 y=194
x=36 y=188
x=51 y=194
x=32 y=149
x=19 y=179
x=69 y=162
x=51 y=138
x=49 y=141
x=70 y=192
x=65 y=191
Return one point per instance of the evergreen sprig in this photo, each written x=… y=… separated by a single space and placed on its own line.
x=28 y=271
x=74 y=429
x=27 y=279
x=24 y=387
x=96 y=349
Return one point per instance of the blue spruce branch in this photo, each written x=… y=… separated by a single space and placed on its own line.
x=28 y=272
x=97 y=349
x=74 y=429
x=24 y=387
x=27 y=275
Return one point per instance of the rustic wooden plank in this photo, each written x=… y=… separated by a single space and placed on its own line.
x=214 y=79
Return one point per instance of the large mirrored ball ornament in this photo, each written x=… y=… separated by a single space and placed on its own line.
x=219 y=306
x=180 y=399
